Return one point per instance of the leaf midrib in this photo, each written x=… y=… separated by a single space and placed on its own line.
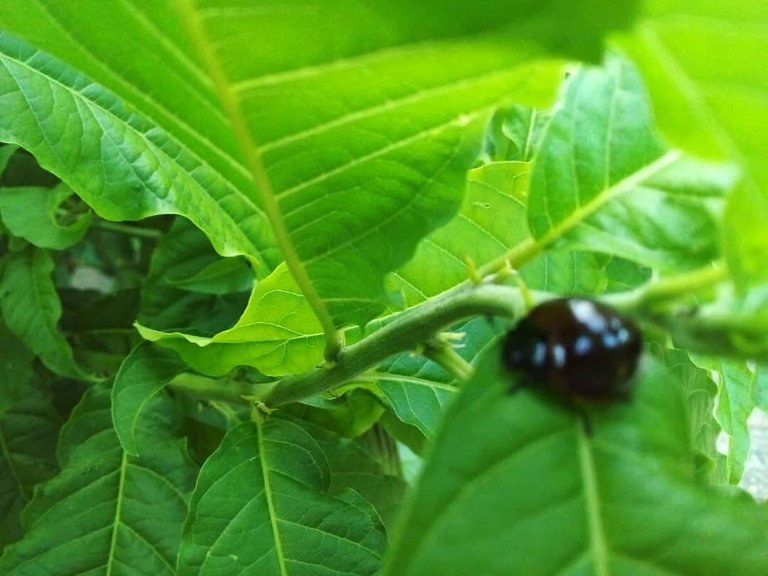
x=271 y=510
x=595 y=526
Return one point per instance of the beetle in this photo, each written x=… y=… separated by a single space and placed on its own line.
x=576 y=349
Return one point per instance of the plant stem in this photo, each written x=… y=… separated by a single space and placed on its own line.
x=670 y=289
x=214 y=389
x=450 y=360
x=405 y=332
x=127 y=229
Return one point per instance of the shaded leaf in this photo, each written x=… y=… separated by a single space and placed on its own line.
x=170 y=302
x=261 y=506
x=143 y=373
x=514 y=133
x=106 y=512
x=30 y=213
x=15 y=367
x=29 y=430
x=31 y=309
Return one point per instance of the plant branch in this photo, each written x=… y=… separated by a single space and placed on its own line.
x=659 y=292
x=405 y=332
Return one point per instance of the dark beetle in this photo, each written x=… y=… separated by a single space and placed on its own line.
x=576 y=348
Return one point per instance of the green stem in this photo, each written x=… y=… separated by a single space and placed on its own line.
x=659 y=292
x=127 y=229
x=404 y=333
x=449 y=359
x=215 y=389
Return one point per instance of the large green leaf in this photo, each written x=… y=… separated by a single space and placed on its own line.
x=29 y=429
x=107 y=513
x=261 y=506
x=267 y=135
x=710 y=94
x=31 y=309
x=543 y=497
x=603 y=180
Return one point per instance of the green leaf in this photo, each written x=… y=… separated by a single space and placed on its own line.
x=410 y=141
x=354 y=467
x=717 y=111
x=699 y=392
x=261 y=506
x=6 y=151
x=419 y=391
x=15 y=367
x=143 y=373
x=746 y=244
x=171 y=298
x=277 y=334
x=736 y=400
x=30 y=213
x=542 y=497
x=107 y=512
x=603 y=181
x=514 y=134
x=29 y=429
x=491 y=222
x=31 y=309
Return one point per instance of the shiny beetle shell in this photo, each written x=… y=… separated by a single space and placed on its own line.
x=575 y=347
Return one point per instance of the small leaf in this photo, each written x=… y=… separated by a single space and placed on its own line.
x=277 y=334
x=542 y=497
x=6 y=151
x=105 y=511
x=514 y=133
x=31 y=309
x=736 y=400
x=418 y=390
x=143 y=373
x=30 y=213
x=261 y=506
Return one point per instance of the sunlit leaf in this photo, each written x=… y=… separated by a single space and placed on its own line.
x=604 y=181
x=277 y=334
x=714 y=110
